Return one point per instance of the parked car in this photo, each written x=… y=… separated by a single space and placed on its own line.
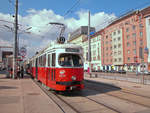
x=113 y=71
x=122 y=71
x=145 y=72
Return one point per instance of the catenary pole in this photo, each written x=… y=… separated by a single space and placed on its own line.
x=15 y=49
x=89 y=44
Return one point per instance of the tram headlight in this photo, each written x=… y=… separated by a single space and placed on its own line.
x=73 y=78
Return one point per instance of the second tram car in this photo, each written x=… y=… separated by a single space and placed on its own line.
x=59 y=66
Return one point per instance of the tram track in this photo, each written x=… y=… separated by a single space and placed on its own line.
x=117 y=111
x=124 y=90
x=63 y=104
x=68 y=103
x=123 y=95
x=133 y=93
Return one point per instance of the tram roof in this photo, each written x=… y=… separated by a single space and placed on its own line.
x=55 y=45
x=62 y=46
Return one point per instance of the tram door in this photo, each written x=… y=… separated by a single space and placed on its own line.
x=48 y=69
x=36 y=68
x=53 y=63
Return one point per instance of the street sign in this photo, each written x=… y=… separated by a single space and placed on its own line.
x=23 y=52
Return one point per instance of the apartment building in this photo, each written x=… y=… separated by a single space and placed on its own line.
x=128 y=36
x=123 y=44
x=95 y=51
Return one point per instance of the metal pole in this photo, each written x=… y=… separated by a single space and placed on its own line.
x=89 y=44
x=103 y=53
x=15 y=54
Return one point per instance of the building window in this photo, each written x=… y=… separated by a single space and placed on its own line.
x=128 y=51
x=128 y=58
x=114 y=39
x=141 y=26
x=128 y=36
x=141 y=42
x=120 y=59
x=115 y=46
x=141 y=34
x=114 y=33
x=115 y=60
x=127 y=29
x=140 y=18
x=119 y=52
x=133 y=27
x=119 y=38
x=128 y=44
x=148 y=21
x=106 y=36
x=134 y=51
x=134 y=43
x=115 y=53
x=118 y=31
x=119 y=45
x=134 y=34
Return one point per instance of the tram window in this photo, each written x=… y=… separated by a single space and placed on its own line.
x=44 y=60
x=70 y=60
x=53 y=59
x=40 y=60
x=49 y=56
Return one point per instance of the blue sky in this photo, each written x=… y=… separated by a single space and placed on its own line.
x=38 y=13
x=117 y=7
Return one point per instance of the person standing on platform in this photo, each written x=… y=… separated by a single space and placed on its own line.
x=22 y=72
x=18 y=72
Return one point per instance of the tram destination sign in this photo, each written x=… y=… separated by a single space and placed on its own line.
x=72 y=50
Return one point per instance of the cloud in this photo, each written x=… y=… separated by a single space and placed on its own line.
x=42 y=32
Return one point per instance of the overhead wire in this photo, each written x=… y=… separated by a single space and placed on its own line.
x=122 y=13
x=70 y=10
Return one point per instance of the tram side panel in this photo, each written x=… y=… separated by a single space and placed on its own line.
x=42 y=74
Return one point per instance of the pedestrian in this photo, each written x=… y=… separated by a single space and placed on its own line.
x=18 y=72
x=11 y=72
x=8 y=72
x=22 y=72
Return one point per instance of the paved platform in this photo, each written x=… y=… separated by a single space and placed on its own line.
x=24 y=96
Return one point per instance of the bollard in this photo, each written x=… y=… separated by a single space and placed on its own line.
x=143 y=79
x=95 y=75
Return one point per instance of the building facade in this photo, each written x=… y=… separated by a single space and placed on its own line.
x=123 y=45
x=128 y=37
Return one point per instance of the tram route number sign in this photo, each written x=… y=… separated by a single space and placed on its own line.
x=23 y=52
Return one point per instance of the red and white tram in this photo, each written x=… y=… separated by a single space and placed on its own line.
x=59 y=66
